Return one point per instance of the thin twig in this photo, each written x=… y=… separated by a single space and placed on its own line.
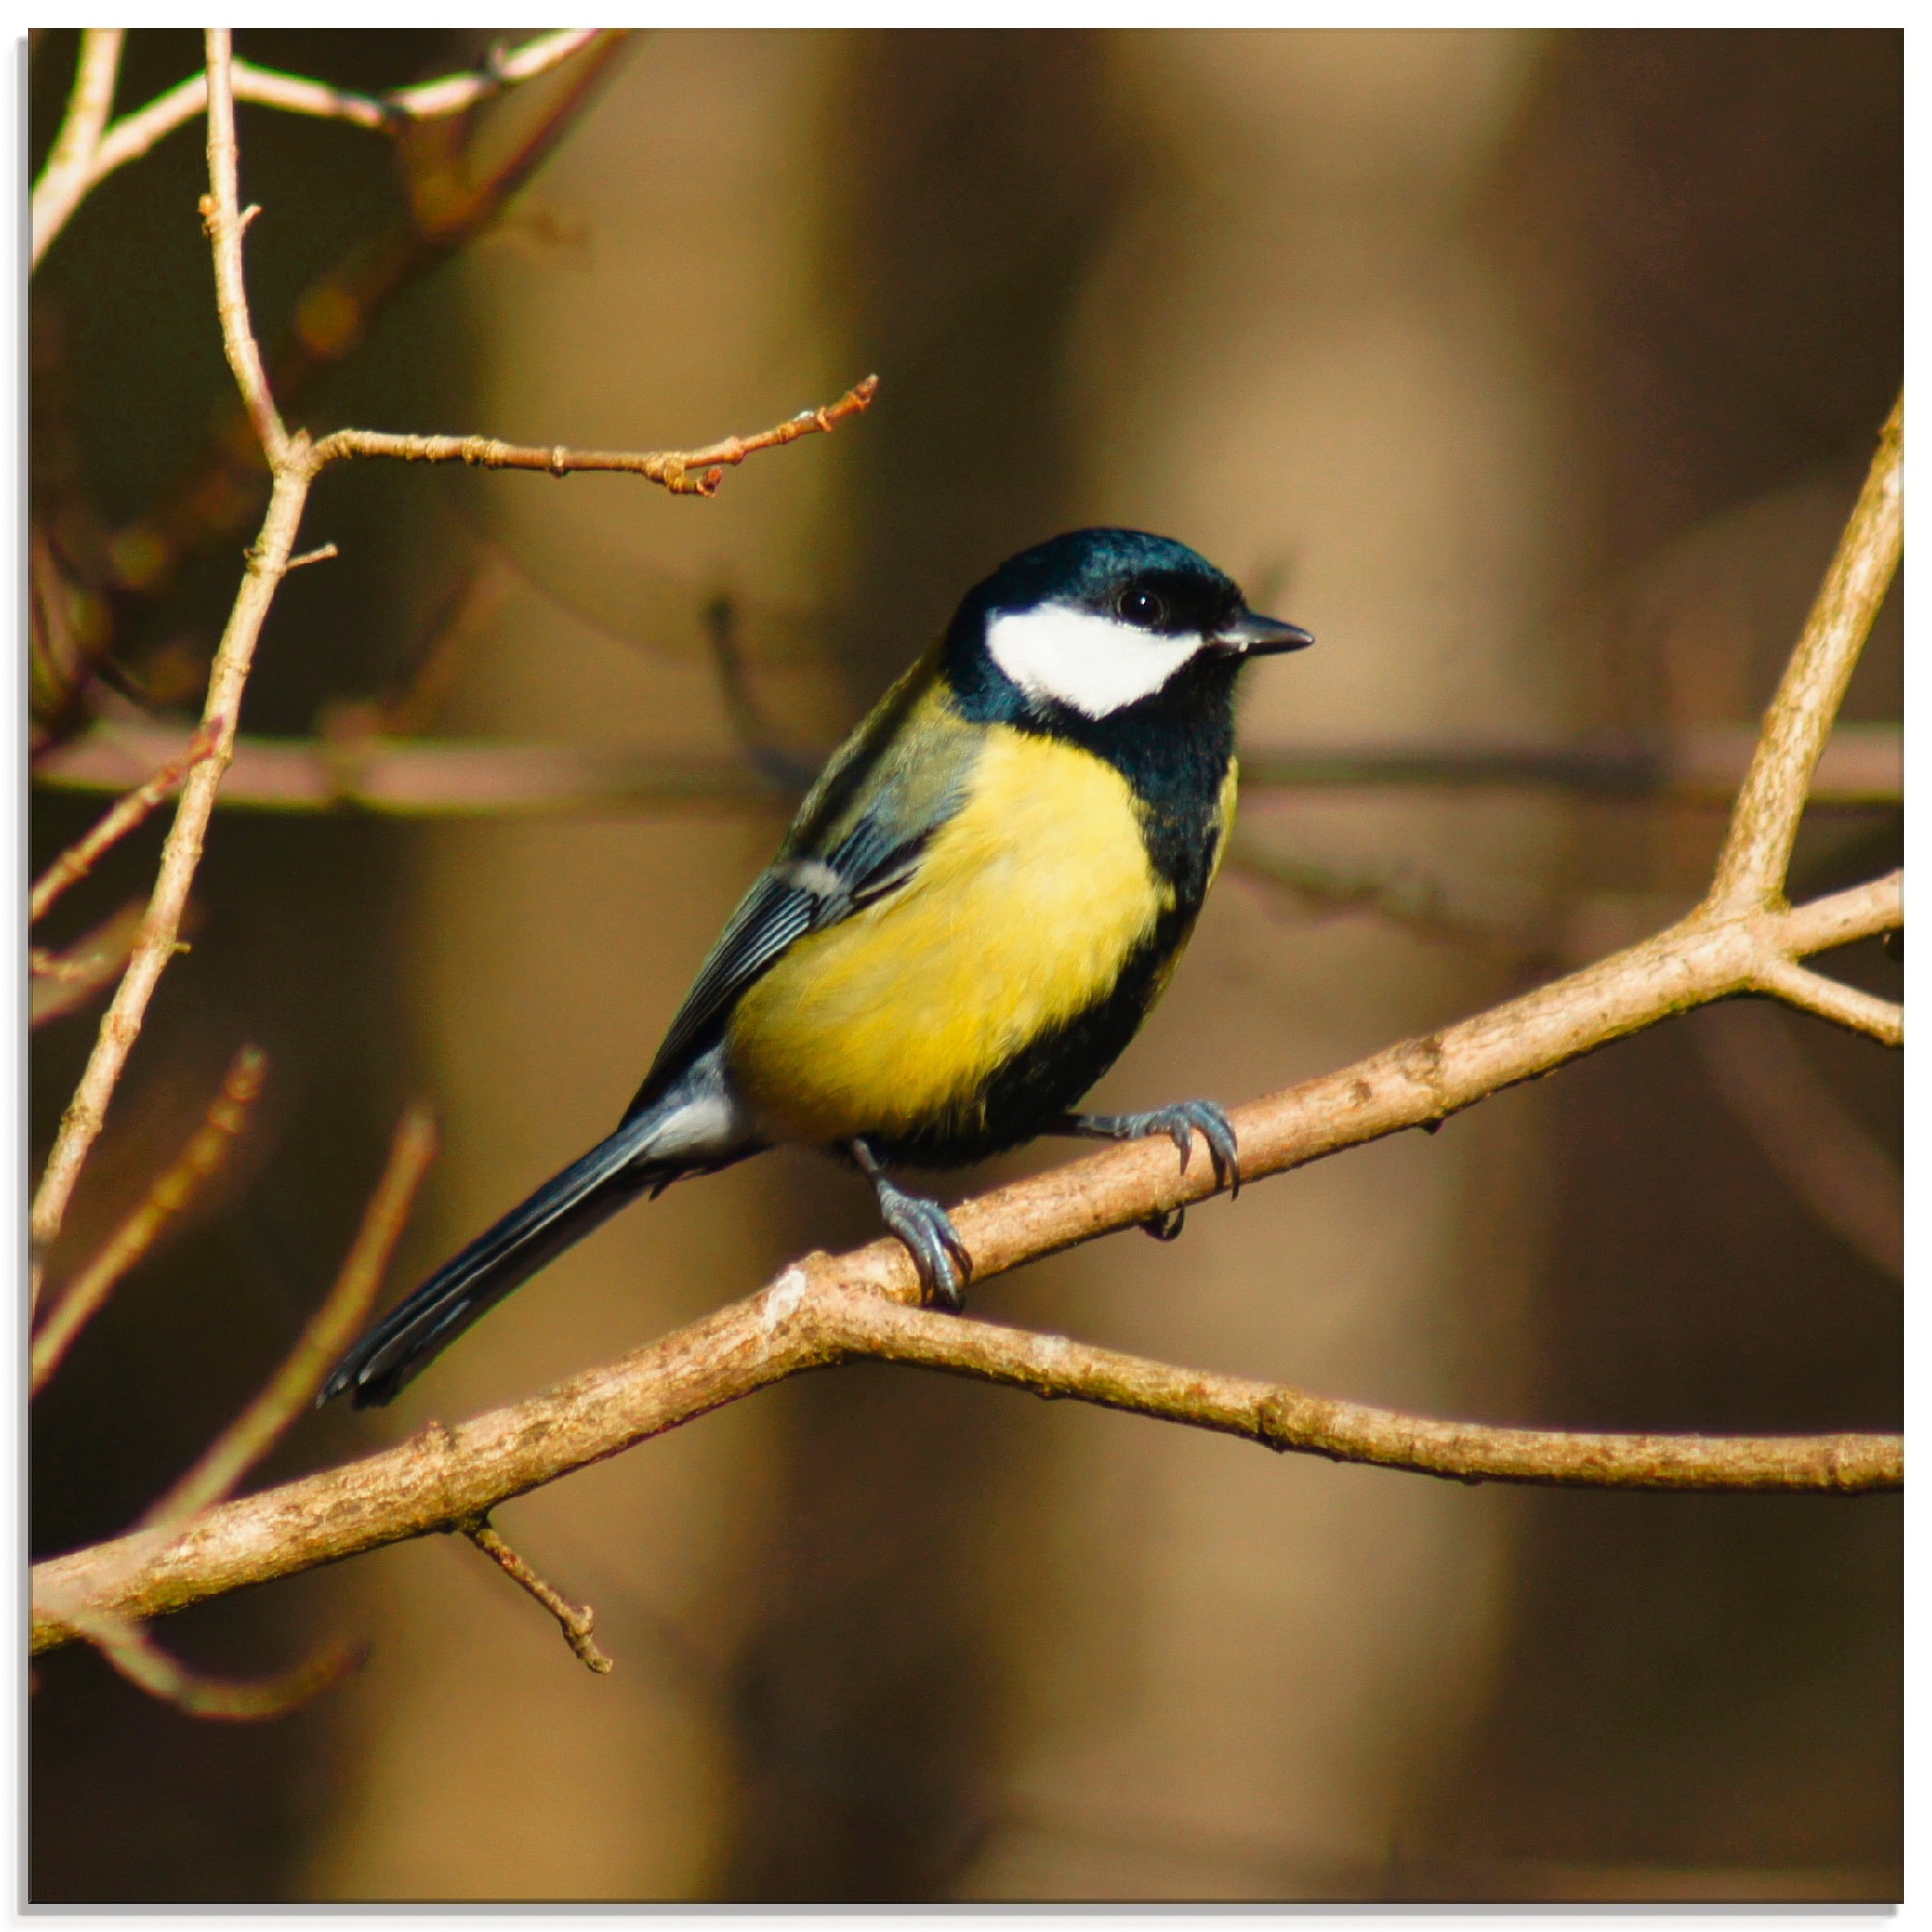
x=61 y=983
x=1833 y=1000
x=180 y=853
x=139 y=1659
x=216 y=493
x=1764 y=826
x=576 y=1621
x=79 y=859
x=164 y=1202
x=134 y=133
x=684 y=473
x=333 y=1328
x=74 y=165
x=1832 y=1162
x=223 y=217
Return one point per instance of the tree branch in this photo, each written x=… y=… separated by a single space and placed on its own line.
x=577 y=1621
x=78 y=860
x=1764 y=825
x=331 y=1330
x=170 y=1194
x=826 y=1310
x=684 y=473
x=1864 y=766
x=74 y=165
x=809 y=1317
x=134 y=134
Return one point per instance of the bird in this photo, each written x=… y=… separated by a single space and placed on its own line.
x=976 y=907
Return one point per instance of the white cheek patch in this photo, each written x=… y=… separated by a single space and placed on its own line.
x=1090 y=662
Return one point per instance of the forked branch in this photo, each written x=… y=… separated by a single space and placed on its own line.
x=87 y=151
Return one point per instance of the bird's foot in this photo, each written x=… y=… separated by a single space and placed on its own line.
x=1180 y=1122
x=940 y=1256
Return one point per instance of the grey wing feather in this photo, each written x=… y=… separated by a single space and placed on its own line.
x=794 y=898
x=858 y=837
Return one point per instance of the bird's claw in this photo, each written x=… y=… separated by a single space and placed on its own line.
x=1180 y=1122
x=940 y=1256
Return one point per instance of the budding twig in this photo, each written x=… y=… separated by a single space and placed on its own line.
x=684 y=473
x=575 y=1620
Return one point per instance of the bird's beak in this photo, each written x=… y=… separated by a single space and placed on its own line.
x=1262 y=637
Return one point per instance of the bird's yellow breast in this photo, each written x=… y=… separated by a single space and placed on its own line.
x=1019 y=917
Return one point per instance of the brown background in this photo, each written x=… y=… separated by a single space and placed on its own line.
x=1534 y=374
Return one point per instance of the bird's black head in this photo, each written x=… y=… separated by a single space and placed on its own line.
x=1105 y=627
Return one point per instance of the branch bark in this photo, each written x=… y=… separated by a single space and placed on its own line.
x=684 y=473
x=1764 y=825
x=74 y=165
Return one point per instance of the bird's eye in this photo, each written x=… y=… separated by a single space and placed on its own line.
x=1141 y=608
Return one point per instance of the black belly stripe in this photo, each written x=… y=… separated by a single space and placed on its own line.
x=1051 y=1072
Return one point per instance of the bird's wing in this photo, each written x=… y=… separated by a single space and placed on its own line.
x=859 y=837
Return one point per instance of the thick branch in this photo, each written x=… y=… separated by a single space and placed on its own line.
x=445 y=1478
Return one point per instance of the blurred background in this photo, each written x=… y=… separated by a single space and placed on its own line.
x=1535 y=373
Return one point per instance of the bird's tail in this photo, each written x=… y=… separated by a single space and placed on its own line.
x=564 y=1209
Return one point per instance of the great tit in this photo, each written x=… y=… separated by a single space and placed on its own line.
x=976 y=907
